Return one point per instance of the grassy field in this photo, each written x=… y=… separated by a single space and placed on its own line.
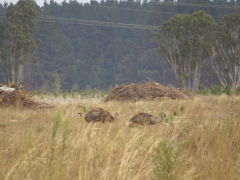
x=201 y=142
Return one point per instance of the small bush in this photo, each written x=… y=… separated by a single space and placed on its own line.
x=90 y=92
x=227 y=89
x=74 y=91
x=84 y=109
x=170 y=118
x=238 y=90
x=216 y=89
x=82 y=93
x=64 y=93
x=181 y=108
x=167 y=161
x=55 y=93
x=94 y=92
x=110 y=88
x=206 y=91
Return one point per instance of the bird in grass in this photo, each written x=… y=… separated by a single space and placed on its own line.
x=144 y=118
x=99 y=115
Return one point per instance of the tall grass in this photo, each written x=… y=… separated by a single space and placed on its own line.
x=201 y=142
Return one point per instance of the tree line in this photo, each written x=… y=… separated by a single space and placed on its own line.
x=190 y=42
x=78 y=50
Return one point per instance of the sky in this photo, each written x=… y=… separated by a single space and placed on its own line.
x=40 y=2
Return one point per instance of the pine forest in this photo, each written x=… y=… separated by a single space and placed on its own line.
x=185 y=43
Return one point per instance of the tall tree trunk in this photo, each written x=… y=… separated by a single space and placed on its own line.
x=20 y=72
x=12 y=55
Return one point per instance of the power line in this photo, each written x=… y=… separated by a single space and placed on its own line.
x=93 y=23
x=106 y=24
x=111 y=24
x=127 y=9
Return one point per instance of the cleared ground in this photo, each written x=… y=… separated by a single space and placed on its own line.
x=58 y=143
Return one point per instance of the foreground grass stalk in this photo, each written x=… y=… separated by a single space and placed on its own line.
x=66 y=133
x=56 y=123
x=29 y=148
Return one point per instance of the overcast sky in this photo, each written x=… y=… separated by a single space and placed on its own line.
x=40 y=2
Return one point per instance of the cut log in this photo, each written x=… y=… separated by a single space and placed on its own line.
x=7 y=89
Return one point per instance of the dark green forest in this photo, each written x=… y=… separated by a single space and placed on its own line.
x=98 y=44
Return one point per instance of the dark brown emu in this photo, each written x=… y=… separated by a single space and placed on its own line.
x=99 y=115
x=144 y=118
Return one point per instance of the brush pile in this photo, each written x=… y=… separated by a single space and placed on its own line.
x=149 y=91
x=11 y=96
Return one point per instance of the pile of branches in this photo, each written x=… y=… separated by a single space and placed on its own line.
x=11 y=96
x=149 y=91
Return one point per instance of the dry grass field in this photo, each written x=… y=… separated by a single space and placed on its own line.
x=201 y=142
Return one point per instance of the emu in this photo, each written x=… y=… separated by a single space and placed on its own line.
x=144 y=118
x=99 y=114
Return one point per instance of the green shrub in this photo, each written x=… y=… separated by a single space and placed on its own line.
x=64 y=93
x=55 y=93
x=75 y=86
x=227 y=89
x=167 y=161
x=206 y=91
x=238 y=90
x=170 y=118
x=216 y=89
x=74 y=91
x=110 y=89
x=82 y=93
x=90 y=92
x=84 y=109
x=181 y=108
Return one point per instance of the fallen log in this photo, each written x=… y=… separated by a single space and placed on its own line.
x=6 y=89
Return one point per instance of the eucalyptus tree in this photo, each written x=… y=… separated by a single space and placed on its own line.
x=183 y=42
x=226 y=49
x=169 y=43
x=201 y=29
x=3 y=54
x=21 y=26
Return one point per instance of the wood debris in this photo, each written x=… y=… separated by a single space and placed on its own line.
x=10 y=96
x=149 y=91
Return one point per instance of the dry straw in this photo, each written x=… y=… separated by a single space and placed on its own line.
x=58 y=144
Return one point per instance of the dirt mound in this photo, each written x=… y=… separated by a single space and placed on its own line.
x=149 y=91
x=11 y=96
